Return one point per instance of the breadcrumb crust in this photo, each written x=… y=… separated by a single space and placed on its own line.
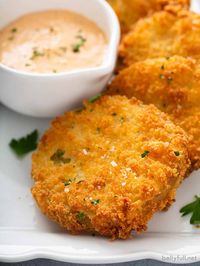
x=129 y=11
x=164 y=34
x=116 y=185
x=172 y=85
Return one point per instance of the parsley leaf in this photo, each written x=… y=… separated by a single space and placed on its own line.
x=58 y=157
x=194 y=208
x=36 y=53
x=177 y=153
x=25 y=144
x=76 y=47
x=13 y=30
x=68 y=182
x=94 y=98
x=145 y=153
x=80 y=217
x=95 y=201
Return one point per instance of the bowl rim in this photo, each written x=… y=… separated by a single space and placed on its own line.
x=104 y=68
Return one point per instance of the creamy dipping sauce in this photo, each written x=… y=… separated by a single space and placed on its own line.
x=52 y=41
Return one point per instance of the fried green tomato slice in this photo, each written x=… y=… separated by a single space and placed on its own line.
x=173 y=85
x=129 y=11
x=109 y=167
x=163 y=34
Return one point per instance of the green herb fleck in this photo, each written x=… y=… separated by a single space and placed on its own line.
x=144 y=154
x=80 y=217
x=94 y=98
x=177 y=153
x=25 y=144
x=81 y=42
x=161 y=76
x=13 y=30
x=36 y=53
x=68 y=182
x=95 y=201
x=58 y=157
x=194 y=208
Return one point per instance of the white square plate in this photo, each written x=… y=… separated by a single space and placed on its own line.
x=26 y=234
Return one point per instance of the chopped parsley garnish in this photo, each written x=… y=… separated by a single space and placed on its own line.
x=194 y=209
x=25 y=144
x=36 y=53
x=13 y=30
x=162 y=76
x=95 y=201
x=58 y=157
x=68 y=182
x=94 y=98
x=177 y=153
x=81 y=42
x=80 y=217
x=145 y=153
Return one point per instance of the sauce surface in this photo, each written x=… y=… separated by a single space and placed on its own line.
x=52 y=41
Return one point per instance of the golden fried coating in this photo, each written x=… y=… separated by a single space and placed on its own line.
x=173 y=85
x=109 y=167
x=129 y=11
x=163 y=34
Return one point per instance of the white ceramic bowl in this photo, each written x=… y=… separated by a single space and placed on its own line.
x=46 y=95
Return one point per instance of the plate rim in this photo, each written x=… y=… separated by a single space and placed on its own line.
x=45 y=254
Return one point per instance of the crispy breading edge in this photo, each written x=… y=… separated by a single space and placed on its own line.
x=124 y=216
x=178 y=97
